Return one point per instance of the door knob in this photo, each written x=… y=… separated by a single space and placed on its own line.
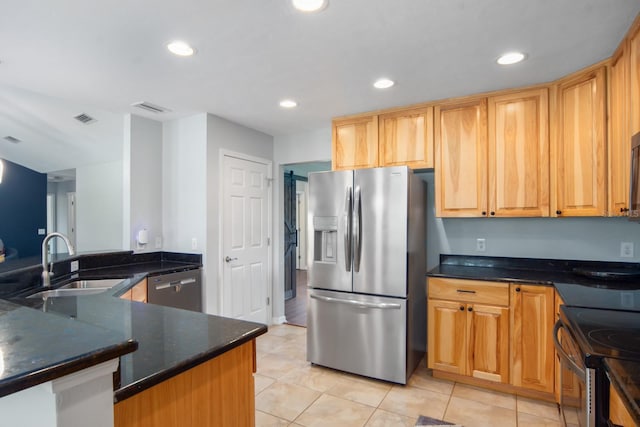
x=229 y=259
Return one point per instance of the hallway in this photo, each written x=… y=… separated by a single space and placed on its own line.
x=295 y=309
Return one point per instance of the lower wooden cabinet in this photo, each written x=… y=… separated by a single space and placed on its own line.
x=468 y=338
x=618 y=413
x=493 y=331
x=532 y=351
x=566 y=382
x=137 y=293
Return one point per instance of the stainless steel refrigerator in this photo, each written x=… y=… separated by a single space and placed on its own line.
x=367 y=266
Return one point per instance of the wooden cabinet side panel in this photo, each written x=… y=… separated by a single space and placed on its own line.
x=519 y=154
x=461 y=159
x=139 y=291
x=619 y=143
x=406 y=138
x=215 y=393
x=569 y=382
x=446 y=337
x=532 y=350
x=581 y=144
x=355 y=143
x=489 y=342
x=618 y=412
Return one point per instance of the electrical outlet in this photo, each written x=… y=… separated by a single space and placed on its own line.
x=74 y=266
x=481 y=245
x=626 y=249
x=194 y=243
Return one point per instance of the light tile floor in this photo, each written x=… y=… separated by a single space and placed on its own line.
x=292 y=392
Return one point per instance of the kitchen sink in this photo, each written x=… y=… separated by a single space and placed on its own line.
x=92 y=284
x=77 y=288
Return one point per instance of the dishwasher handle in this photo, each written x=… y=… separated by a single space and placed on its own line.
x=177 y=284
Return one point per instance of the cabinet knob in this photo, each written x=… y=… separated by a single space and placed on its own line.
x=484 y=213
x=622 y=209
x=470 y=308
x=493 y=213
x=558 y=212
x=517 y=289
x=461 y=308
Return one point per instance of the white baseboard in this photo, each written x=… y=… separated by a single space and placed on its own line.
x=278 y=320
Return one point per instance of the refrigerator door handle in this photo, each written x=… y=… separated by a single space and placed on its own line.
x=357 y=230
x=356 y=303
x=348 y=219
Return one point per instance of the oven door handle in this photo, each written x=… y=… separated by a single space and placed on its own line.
x=563 y=354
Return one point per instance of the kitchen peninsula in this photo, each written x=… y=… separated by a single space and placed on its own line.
x=190 y=369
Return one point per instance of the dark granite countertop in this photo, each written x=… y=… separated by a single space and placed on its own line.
x=170 y=340
x=36 y=347
x=625 y=378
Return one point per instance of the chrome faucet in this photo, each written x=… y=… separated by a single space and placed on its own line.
x=46 y=272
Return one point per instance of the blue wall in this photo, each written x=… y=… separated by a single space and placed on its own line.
x=23 y=208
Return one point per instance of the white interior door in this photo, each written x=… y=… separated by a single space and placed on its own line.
x=71 y=217
x=245 y=246
x=301 y=222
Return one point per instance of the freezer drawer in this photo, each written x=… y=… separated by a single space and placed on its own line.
x=361 y=334
x=179 y=290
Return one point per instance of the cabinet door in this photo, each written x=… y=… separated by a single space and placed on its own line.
x=355 y=143
x=570 y=385
x=619 y=137
x=580 y=146
x=532 y=351
x=461 y=159
x=618 y=412
x=634 y=78
x=519 y=154
x=488 y=332
x=406 y=138
x=447 y=349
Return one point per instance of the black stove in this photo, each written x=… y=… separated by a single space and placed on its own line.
x=603 y=333
x=600 y=294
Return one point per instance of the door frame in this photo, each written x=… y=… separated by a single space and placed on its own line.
x=222 y=153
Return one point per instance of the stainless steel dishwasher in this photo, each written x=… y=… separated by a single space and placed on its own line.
x=179 y=290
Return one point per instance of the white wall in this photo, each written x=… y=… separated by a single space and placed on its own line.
x=99 y=190
x=224 y=135
x=311 y=146
x=142 y=181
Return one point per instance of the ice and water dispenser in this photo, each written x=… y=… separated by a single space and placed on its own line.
x=325 y=239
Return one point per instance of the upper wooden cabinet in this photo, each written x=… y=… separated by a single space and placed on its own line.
x=580 y=145
x=355 y=143
x=532 y=351
x=461 y=159
x=634 y=77
x=406 y=138
x=619 y=142
x=519 y=154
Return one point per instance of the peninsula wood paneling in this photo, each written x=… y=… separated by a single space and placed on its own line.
x=519 y=154
x=461 y=159
x=355 y=143
x=219 y=392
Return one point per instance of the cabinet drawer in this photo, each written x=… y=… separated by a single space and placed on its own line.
x=479 y=291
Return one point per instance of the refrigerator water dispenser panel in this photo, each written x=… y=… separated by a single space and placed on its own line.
x=325 y=248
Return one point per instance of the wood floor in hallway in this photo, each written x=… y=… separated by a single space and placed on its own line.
x=295 y=309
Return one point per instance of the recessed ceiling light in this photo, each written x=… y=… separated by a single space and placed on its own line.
x=511 y=58
x=310 y=5
x=288 y=103
x=180 y=48
x=383 y=83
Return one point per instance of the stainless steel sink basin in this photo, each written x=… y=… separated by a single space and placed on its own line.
x=90 y=284
x=73 y=292
x=78 y=287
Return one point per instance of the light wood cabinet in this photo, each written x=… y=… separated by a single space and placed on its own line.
x=519 y=154
x=619 y=141
x=406 y=138
x=580 y=145
x=461 y=159
x=467 y=337
x=634 y=76
x=532 y=350
x=219 y=392
x=570 y=385
x=355 y=143
x=137 y=293
x=618 y=412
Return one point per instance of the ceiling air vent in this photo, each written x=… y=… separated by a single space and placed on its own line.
x=150 y=107
x=12 y=139
x=85 y=118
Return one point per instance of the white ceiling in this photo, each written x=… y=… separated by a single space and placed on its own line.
x=60 y=58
